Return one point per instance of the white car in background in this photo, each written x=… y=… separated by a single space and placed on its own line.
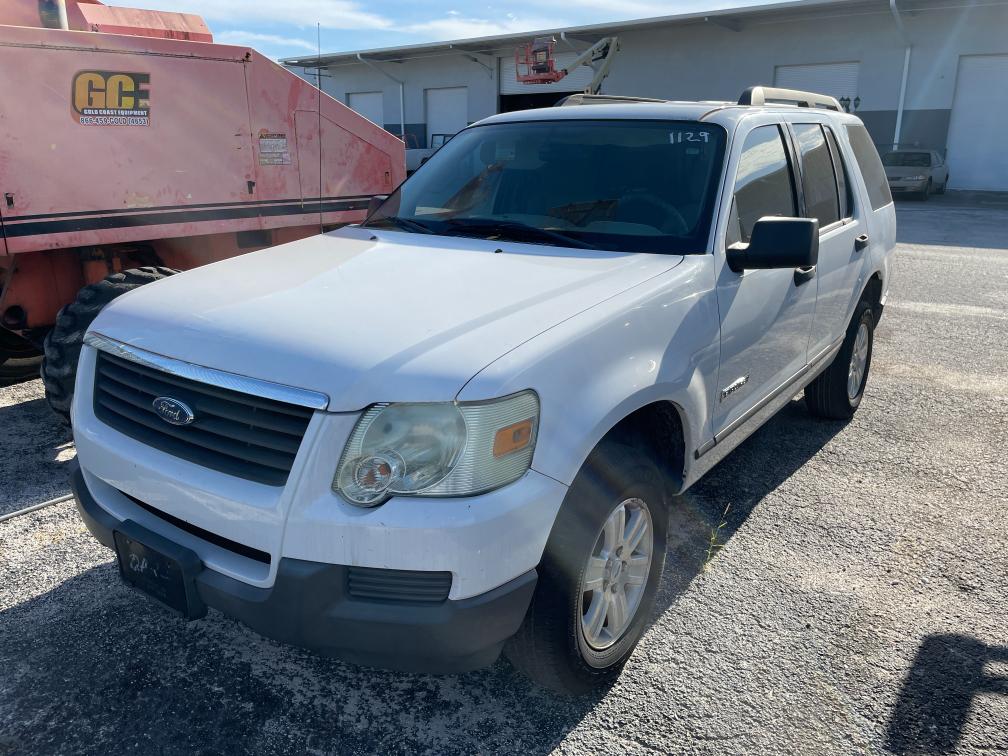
x=915 y=171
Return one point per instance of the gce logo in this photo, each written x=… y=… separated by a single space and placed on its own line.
x=111 y=93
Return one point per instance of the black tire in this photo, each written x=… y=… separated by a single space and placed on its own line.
x=64 y=342
x=19 y=360
x=944 y=186
x=550 y=647
x=926 y=192
x=827 y=396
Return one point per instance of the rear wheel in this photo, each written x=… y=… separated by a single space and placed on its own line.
x=19 y=360
x=837 y=392
x=599 y=575
x=64 y=342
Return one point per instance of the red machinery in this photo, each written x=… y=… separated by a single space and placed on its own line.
x=535 y=62
x=132 y=146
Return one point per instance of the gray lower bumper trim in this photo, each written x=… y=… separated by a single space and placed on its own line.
x=309 y=606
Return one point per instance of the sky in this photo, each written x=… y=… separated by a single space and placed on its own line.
x=286 y=28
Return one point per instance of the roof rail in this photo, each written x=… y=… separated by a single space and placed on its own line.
x=776 y=96
x=588 y=99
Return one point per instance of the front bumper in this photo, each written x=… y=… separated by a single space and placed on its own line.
x=309 y=605
x=904 y=187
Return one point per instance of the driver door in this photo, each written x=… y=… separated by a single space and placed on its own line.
x=766 y=315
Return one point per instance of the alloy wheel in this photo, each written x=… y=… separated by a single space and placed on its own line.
x=616 y=574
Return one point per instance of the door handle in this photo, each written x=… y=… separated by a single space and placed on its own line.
x=803 y=275
x=861 y=242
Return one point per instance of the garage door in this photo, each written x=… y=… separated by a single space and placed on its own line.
x=836 y=79
x=977 y=158
x=576 y=81
x=447 y=110
x=368 y=104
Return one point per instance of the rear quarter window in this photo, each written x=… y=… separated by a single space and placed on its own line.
x=870 y=164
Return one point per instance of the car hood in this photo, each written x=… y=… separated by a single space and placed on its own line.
x=369 y=316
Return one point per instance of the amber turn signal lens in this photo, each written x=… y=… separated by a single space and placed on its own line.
x=512 y=438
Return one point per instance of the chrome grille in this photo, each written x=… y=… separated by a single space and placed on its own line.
x=235 y=433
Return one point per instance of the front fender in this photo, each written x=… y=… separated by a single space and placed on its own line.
x=658 y=341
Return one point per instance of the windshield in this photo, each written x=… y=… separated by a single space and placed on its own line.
x=907 y=159
x=635 y=186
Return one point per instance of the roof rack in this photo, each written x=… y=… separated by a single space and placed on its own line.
x=588 y=99
x=777 y=96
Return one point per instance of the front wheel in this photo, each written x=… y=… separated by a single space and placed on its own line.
x=837 y=392
x=599 y=575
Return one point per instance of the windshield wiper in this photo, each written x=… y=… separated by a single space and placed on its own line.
x=515 y=231
x=405 y=224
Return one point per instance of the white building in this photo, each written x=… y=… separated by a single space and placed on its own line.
x=929 y=73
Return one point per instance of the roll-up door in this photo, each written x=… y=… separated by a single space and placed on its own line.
x=977 y=158
x=835 y=79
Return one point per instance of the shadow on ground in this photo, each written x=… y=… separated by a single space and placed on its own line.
x=715 y=508
x=92 y=667
x=35 y=447
x=947 y=675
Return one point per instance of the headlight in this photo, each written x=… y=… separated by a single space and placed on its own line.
x=438 y=449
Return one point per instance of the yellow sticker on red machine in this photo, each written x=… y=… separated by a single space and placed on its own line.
x=111 y=98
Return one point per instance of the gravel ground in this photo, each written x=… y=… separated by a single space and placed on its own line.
x=854 y=599
x=34 y=450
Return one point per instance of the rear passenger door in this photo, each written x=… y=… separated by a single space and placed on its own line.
x=766 y=315
x=828 y=196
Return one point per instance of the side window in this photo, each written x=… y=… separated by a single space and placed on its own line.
x=818 y=179
x=843 y=177
x=763 y=184
x=870 y=164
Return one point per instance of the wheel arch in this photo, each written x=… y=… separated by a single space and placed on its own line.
x=872 y=293
x=649 y=421
x=659 y=429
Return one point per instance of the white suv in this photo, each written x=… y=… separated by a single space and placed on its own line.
x=457 y=428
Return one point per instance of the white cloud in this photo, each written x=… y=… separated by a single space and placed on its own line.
x=632 y=9
x=456 y=26
x=331 y=14
x=251 y=39
x=625 y=8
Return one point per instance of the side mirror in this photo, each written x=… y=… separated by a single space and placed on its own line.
x=375 y=202
x=777 y=243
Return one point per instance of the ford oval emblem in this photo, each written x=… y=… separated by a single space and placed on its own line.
x=172 y=411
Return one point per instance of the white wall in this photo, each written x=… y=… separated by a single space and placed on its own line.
x=419 y=75
x=703 y=61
